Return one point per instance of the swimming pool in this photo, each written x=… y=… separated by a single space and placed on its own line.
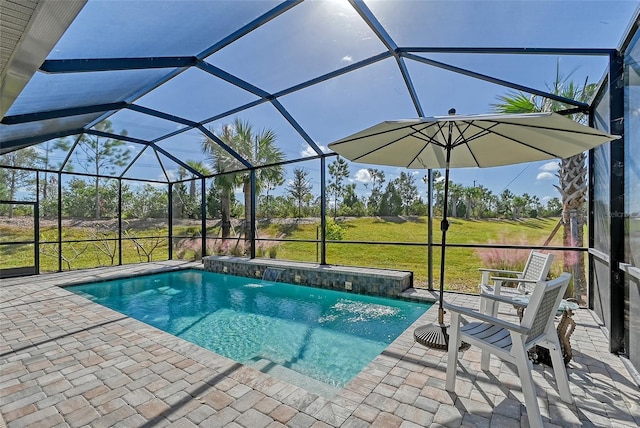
x=326 y=335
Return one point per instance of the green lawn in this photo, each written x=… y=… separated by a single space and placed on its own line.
x=461 y=263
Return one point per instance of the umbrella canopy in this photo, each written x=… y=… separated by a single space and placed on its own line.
x=457 y=141
x=475 y=140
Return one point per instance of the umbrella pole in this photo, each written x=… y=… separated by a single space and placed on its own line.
x=435 y=335
x=444 y=226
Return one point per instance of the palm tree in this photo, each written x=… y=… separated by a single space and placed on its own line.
x=456 y=191
x=222 y=162
x=190 y=202
x=572 y=173
x=257 y=149
x=472 y=195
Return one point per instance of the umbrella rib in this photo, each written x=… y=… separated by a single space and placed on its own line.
x=429 y=140
x=338 y=143
x=357 y=158
x=548 y=128
x=465 y=141
x=350 y=140
x=417 y=134
x=495 y=123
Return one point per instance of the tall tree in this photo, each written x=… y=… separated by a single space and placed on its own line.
x=46 y=151
x=299 y=188
x=472 y=195
x=376 y=181
x=101 y=156
x=258 y=149
x=518 y=204
x=351 y=204
x=189 y=204
x=273 y=178
x=405 y=184
x=339 y=171
x=573 y=171
x=224 y=182
x=505 y=204
x=16 y=177
x=391 y=202
x=456 y=191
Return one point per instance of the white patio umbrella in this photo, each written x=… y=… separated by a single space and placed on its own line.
x=458 y=141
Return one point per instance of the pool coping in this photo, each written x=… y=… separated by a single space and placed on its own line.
x=361 y=280
x=295 y=378
x=66 y=360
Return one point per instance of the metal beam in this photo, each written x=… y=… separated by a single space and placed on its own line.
x=222 y=144
x=175 y=159
x=409 y=83
x=143 y=142
x=256 y=23
x=283 y=111
x=55 y=114
x=8 y=146
x=161 y=115
x=218 y=72
x=46 y=26
x=375 y=25
x=509 y=51
x=369 y=18
x=616 y=206
x=110 y=64
x=349 y=68
x=495 y=80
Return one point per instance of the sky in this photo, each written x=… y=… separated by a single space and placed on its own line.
x=317 y=37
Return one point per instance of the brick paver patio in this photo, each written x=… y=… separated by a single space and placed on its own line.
x=65 y=361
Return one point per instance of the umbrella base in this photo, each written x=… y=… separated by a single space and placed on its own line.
x=435 y=336
x=432 y=336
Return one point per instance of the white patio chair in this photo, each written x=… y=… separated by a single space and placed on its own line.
x=535 y=270
x=510 y=342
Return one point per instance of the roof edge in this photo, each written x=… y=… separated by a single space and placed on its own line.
x=46 y=26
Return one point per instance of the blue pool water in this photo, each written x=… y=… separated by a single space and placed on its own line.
x=326 y=335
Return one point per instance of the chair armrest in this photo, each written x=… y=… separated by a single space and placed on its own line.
x=506 y=279
x=486 y=318
x=500 y=271
x=503 y=299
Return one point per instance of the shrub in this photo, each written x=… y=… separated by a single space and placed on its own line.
x=335 y=232
x=503 y=258
x=273 y=252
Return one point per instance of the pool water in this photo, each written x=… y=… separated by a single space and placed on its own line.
x=327 y=335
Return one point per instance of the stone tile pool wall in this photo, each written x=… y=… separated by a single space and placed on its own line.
x=377 y=282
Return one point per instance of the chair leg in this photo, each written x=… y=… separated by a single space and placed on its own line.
x=559 y=369
x=485 y=358
x=452 y=357
x=528 y=387
x=492 y=307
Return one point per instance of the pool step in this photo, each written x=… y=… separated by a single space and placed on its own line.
x=293 y=377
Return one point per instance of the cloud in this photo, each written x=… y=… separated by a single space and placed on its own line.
x=362 y=176
x=171 y=173
x=347 y=58
x=550 y=167
x=545 y=176
x=548 y=171
x=308 y=151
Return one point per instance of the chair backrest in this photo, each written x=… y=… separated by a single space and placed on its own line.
x=536 y=268
x=543 y=304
